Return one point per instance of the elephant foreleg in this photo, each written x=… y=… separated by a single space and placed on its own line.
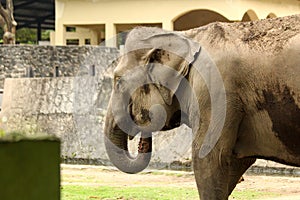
x=211 y=176
x=217 y=182
x=218 y=172
x=237 y=169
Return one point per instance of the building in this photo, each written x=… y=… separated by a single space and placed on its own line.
x=90 y=22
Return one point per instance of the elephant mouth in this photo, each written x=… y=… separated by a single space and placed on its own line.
x=145 y=116
x=145 y=144
x=142 y=119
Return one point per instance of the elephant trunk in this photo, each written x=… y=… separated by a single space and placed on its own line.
x=116 y=144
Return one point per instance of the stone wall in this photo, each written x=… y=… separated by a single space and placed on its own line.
x=50 y=61
x=73 y=109
x=66 y=95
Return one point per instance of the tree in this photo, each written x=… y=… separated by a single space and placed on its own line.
x=8 y=23
x=26 y=36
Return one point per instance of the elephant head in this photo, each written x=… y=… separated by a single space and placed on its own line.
x=143 y=98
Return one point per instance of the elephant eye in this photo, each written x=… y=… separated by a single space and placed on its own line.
x=117 y=80
x=157 y=56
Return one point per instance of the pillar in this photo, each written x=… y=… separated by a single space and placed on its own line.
x=168 y=25
x=110 y=35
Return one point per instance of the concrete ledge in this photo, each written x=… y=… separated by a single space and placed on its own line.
x=29 y=168
x=274 y=171
x=283 y=170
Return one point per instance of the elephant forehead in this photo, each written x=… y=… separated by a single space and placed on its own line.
x=130 y=63
x=146 y=95
x=154 y=38
x=170 y=42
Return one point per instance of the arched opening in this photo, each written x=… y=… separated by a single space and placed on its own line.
x=271 y=15
x=250 y=15
x=196 y=18
x=123 y=29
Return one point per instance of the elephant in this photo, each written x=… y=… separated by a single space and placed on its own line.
x=236 y=85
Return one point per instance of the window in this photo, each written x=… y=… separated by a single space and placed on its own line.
x=70 y=29
x=72 y=41
x=87 y=41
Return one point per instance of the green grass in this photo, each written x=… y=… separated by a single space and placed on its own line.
x=146 y=193
x=87 y=186
x=74 y=192
x=251 y=195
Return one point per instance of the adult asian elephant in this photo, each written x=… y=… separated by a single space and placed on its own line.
x=236 y=85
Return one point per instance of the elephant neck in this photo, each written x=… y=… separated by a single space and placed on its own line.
x=187 y=100
x=194 y=93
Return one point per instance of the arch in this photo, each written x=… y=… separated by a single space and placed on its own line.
x=196 y=18
x=250 y=15
x=271 y=15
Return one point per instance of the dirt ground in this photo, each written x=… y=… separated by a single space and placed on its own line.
x=287 y=187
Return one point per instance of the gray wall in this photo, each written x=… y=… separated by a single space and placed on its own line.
x=73 y=109
x=71 y=106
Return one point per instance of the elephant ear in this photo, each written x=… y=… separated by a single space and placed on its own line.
x=169 y=61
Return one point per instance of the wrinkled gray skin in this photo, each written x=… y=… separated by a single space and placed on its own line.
x=260 y=66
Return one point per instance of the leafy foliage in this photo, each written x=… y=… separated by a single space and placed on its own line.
x=28 y=35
